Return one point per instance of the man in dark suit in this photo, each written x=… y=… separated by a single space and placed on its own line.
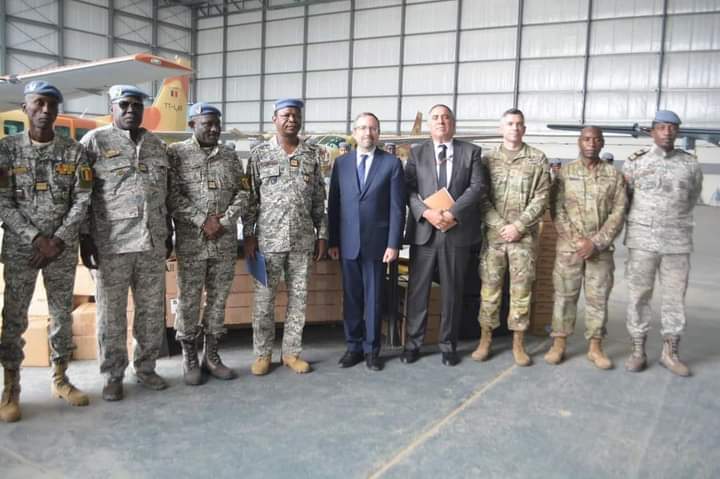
x=441 y=239
x=366 y=214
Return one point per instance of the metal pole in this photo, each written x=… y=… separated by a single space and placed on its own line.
x=262 y=68
x=518 y=52
x=303 y=91
x=351 y=66
x=661 y=60
x=401 y=61
x=458 y=26
x=586 y=66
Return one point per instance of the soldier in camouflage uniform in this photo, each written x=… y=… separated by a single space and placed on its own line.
x=286 y=221
x=520 y=185
x=45 y=184
x=128 y=240
x=588 y=210
x=207 y=191
x=664 y=184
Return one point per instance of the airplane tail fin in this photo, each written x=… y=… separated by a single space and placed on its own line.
x=417 y=126
x=169 y=110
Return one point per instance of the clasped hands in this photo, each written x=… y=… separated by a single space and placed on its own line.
x=45 y=250
x=212 y=229
x=442 y=220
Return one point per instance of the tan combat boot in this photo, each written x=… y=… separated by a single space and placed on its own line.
x=518 y=349
x=10 y=403
x=556 y=353
x=637 y=360
x=261 y=366
x=296 y=364
x=483 y=350
x=669 y=357
x=62 y=387
x=597 y=356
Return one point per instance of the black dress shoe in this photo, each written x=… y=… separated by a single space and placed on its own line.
x=409 y=356
x=372 y=362
x=350 y=359
x=450 y=359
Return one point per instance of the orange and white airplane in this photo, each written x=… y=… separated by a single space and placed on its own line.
x=168 y=112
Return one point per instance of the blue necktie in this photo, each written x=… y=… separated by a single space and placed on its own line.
x=361 y=171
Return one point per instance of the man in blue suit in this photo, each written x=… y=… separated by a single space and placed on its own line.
x=366 y=215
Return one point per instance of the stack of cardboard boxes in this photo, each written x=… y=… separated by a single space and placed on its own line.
x=324 y=299
x=432 y=331
x=541 y=308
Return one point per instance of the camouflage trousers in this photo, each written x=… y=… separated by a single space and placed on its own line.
x=294 y=268
x=20 y=278
x=674 y=270
x=144 y=274
x=495 y=258
x=597 y=274
x=215 y=275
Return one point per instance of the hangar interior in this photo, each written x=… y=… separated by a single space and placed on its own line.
x=568 y=61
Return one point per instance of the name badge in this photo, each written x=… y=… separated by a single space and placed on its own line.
x=41 y=186
x=111 y=153
x=143 y=167
x=294 y=162
x=20 y=170
x=212 y=185
x=65 y=169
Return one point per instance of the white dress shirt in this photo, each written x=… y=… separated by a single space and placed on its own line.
x=358 y=159
x=449 y=157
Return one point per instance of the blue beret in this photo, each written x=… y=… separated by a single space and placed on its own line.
x=343 y=144
x=607 y=156
x=555 y=161
x=667 y=116
x=39 y=87
x=288 y=103
x=201 y=108
x=117 y=92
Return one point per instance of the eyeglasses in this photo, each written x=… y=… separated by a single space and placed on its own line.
x=373 y=129
x=124 y=105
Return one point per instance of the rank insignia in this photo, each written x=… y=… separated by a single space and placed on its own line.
x=142 y=167
x=294 y=162
x=212 y=185
x=65 y=169
x=20 y=170
x=306 y=178
x=111 y=153
x=41 y=186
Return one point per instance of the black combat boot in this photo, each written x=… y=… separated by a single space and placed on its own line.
x=211 y=361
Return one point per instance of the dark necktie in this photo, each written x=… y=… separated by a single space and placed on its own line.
x=442 y=174
x=361 y=171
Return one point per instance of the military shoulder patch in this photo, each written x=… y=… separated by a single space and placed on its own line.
x=85 y=177
x=638 y=154
x=245 y=182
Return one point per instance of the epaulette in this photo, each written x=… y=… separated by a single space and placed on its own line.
x=638 y=154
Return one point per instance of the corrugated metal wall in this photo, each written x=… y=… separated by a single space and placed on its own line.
x=558 y=60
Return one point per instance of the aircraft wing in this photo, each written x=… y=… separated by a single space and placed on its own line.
x=92 y=78
x=174 y=136
x=711 y=135
x=415 y=139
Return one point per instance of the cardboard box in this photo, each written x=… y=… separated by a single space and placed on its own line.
x=85 y=347
x=171 y=278
x=37 y=344
x=83 y=320
x=84 y=282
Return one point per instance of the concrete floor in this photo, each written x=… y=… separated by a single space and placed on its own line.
x=423 y=420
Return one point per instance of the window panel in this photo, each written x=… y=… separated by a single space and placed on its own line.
x=626 y=8
x=284 y=32
x=541 y=107
x=624 y=72
x=243 y=88
x=209 y=41
x=554 y=74
x=554 y=40
x=328 y=55
x=486 y=77
x=492 y=44
x=283 y=86
x=243 y=63
x=209 y=65
x=327 y=84
x=544 y=11
x=325 y=110
x=209 y=90
x=376 y=52
x=86 y=17
x=431 y=17
x=283 y=59
x=242 y=112
x=432 y=79
x=243 y=37
x=433 y=48
x=636 y=35
x=413 y=104
x=365 y=82
x=327 y=28
x=693 y=32
x=373 y=23
x=475 y=14
x=692 y=70
x=384 y=108
x=619 y=106
x=483 y=107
